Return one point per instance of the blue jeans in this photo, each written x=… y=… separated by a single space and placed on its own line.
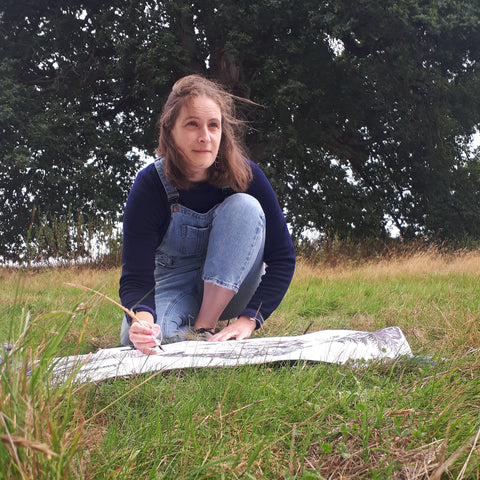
x=223 y=246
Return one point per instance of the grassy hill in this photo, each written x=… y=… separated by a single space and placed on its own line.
x=407 y=419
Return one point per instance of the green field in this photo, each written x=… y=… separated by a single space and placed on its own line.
x=405 y=419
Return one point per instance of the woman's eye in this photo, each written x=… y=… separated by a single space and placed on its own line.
x=192 y=123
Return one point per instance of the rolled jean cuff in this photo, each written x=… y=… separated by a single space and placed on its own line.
x=219 y=283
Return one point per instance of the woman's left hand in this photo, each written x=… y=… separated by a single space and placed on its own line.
x=241 y=328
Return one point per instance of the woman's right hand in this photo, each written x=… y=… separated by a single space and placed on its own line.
x=143 y=334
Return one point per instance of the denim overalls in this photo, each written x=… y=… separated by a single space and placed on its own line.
x=223 y=246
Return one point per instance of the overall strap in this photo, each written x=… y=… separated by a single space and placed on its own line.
x=171 y=191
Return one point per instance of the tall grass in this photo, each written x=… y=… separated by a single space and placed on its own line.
x=41 y=424
x=67 y=240
x=405 y=419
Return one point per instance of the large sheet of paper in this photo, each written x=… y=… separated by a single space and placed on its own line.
x=332 y=346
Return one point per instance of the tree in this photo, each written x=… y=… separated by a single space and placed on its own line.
x=416 y=69
x=367 y=110
x=79 y=93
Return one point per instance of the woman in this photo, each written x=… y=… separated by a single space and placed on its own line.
x=204 y=236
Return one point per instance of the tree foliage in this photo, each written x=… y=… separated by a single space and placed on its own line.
x=368 y=107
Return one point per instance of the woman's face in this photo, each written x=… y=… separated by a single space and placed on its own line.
x=197 y=134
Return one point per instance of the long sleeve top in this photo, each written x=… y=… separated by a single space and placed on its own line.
x=146 y=219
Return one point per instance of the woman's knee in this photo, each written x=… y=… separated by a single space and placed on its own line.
x=242 y=205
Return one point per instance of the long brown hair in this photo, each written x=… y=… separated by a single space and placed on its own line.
x=231 y=167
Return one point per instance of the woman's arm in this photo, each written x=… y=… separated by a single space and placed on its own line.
x=279 y=253
x=145 y=221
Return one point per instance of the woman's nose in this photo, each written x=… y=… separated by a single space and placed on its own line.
x=204 y=135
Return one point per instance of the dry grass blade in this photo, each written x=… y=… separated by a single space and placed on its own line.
x=469 y=443
x=8 y=440
x=14 y=441
x=464 y=468
x=130 y=313
x=106 y=297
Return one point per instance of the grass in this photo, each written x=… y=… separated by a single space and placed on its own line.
x=408 y=419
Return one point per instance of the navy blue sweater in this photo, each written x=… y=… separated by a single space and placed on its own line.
x=146 y=218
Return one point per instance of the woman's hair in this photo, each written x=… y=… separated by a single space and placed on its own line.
x=231 y=167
